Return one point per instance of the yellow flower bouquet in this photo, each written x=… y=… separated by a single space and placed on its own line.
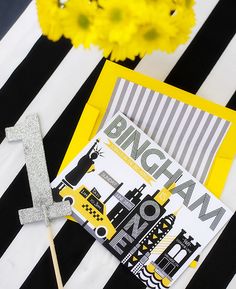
x=121 y=28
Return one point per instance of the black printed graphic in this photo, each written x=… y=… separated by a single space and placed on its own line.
x=84 y=165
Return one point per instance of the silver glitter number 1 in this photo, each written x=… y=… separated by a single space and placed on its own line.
x=43 y=206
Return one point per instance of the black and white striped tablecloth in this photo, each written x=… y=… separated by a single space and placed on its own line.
x=55 y=80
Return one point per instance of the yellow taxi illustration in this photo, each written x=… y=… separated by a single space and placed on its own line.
x=87 y=203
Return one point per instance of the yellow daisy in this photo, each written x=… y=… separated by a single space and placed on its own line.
x=122 y=29
x=116 y=27
x=155 y=29
x=78 y=21
x=119 y=51
x=118 y=19
x=169 y=28
x=49 y=14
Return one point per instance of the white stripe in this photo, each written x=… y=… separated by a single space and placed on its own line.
x=229 y=196
x=232 y=284
x=159 y=64
x=220 y=84
x=49 y=103
x=18 y=41
x=11 y=162
x=24 y=253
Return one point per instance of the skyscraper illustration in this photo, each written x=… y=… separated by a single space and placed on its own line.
x=119 y=212
x=136 y=259
x=152 y=206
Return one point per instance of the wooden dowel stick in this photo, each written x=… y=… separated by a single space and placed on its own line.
x=54 y=257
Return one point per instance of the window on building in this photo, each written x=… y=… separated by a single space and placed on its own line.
x=169 y=268
x=163 y=263
x=174 y=251
x=179 y=257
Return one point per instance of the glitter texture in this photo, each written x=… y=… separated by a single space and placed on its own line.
x=54 y=211
x=30 y=134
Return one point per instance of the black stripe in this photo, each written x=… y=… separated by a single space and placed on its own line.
x=28 y=78
x=219 y=267
x=205 y=49
x=232 y=102
x=131 y=64
x=124 y=279
x=9 y=12
x=17 y=196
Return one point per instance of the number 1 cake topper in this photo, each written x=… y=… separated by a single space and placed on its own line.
x=43 y=208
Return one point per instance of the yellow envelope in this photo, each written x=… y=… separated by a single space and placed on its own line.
x=96 y=106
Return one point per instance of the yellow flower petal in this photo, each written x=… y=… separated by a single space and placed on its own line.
x=122 y=29
x=49 y=14
x=78 y=21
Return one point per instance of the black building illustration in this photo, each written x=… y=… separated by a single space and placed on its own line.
x=120 y=217
x=119 y=212
x=85 y=165
x=169 y=262
x=139 y=255
x=162 y=270
x=176 y=254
